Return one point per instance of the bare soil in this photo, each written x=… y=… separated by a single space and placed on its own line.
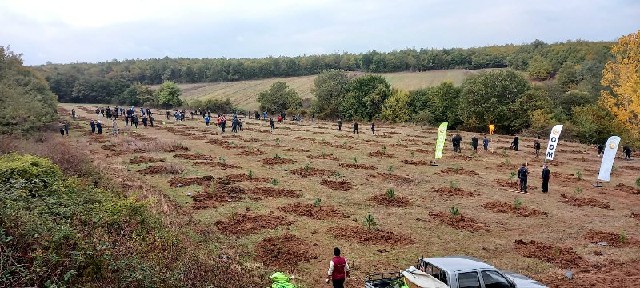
x=381 y=154
x=504 y=207
x=458 y=171
x=285 y=251
x=601 y=275
x=415 y=163
x=454 y=192
x=321 y=212
x=341 y=185
x=398 y=179
x=305 y=172
x=277 y=161
x=251 y=152
x=292 y=149
x=188 y=181
x=585 y=201
x=219 y=194
x=217 y=164
x=200 y=157
x=459 y=222
x=363 y=235
x=396 y=201
x=627 y=189
x=270 y=192
x=140 y=159
x=246 y=178
x=247 y=223
x=562 y=257
x=324 y=156
x=160 y=169
x=357 y=166
x=612 y=239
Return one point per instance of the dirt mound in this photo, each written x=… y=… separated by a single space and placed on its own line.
x=188 y=181
x=395 y=201
x=323 y=156
x=504 y=207
x=218 y=195
x=221 y=165
x=202 y=157
x=631 y=168
x=161 y=169
x=600 y=275
x=380 y=154
x=246 y=223
x=251 y=152
x=563 y=257
x=198 y=137
x=270 y=192
x=627 y=189
x=454 y=192
x=398 y=179
x=140 y=159
x=175 y=148
x=512 y=184
x=564 y=178
x=357 y=166
x=463 y=157
x=424 y=151
x=251 y=140
x=286 y=251
x=292 y=149
x=339 y=146
x=322 y=212
x=579 y=202
x=112 y=148
x=341 y=185
x=370 y=236
x=613 y=239
x=415 y=163
x=245 y=178
x=458 y=171
x=277 y=161
x=305 y=172
x=460 y=222
x=635 y=215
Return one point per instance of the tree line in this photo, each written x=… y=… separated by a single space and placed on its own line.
x=104 y=82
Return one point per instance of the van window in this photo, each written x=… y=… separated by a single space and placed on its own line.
x=493 y=279
x=468 y=280
x=435 y=272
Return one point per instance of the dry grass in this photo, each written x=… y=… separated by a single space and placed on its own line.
x=565 y=225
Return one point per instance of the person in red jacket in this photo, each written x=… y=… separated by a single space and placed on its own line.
x=338 y=269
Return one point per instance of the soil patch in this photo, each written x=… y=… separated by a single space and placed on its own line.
x=305 y=172
x=145 y=159
x=424 y=151
x=245 y=178
x=566 y=178
x=175 y=148
x=600 y=275
x=395 y=201
x=246 y=223
x=251 y=152
x=454 y=192
x=322 y=212
x=504 y=207
x=627 y=189
x=291 y=149
x=457 y=171
x=586 y=201
x=341 y=185
x=632 y=168
x=415 y=163
x=277 y=161
x=635 y=215
x=221 y=165
x=380 y=154
x=270 y=192
x=188 y=181
x=612 y=239
x=202 y=157
x=323 y=156
x=357 y=166
x=161 y=169
x=512 y=185
x=460 y=222
x=370 y=236
x=286 y=251
x=220 y=194
x=563 y=257
x=392 y=177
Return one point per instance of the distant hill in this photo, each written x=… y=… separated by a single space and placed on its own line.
x=244 y=93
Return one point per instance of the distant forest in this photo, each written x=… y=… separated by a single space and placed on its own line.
x=104 y=82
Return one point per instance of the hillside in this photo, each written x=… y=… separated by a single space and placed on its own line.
x=244 y=93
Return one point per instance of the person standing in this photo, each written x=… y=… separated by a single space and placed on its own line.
x=66 y=128
x=223 y=123
x=485 y=143
x=536 y=146
x=264 y=115
x=474 y=143
x=114 y=127
x=144 y=120
x=93 y=126
x=207 y=120
x=355 y=128
x=600 y=149
x=135 y=121
x=373 y=128
x=168 y=114
x=339 y=124
x=126 y=120
x=150 y=120
x=62 y=129
x=515 y=143
x=272 y=124
x=546 y=175
x=627 y=152
x=338 y=269
x=99 y=126
x=523 y=172
x=73 y=114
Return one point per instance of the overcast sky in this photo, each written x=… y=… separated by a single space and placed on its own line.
x=64 y=31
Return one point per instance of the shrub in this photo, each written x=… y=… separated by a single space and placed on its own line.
x=316 y=202
x=454 y=211
x=391 y=193
x=370 y=222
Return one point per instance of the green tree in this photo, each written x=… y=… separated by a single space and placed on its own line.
x=26 y=103
x=567 y=76
x=395 y=108
x=137 y=94
x=592 y=123
x=443 y=104
x=279 y=98
x=489 y=98
x=365 y=98
x=539 y=68
x=168 y=95
x=329 y=88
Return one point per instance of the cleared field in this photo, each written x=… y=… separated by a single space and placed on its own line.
x=286 y=198
x=244 y=93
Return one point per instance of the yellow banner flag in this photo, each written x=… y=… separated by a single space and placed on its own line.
x=442 y=136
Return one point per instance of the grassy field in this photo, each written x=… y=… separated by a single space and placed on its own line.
x=289 y=196
x=244 y=93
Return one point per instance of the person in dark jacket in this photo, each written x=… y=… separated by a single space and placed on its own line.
x=272 y=124
x=66 y=128
x=600 y=149
x=338 y=269
x=536 y=146
x=523 y=172
x=627 y=152
x=99 y=126
x=515 y=142
x=474 y=143
x=546 y=175
x=62 y=129
x=355 y=128
x=485 y=143
x=339 y=124
x=373 y=128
